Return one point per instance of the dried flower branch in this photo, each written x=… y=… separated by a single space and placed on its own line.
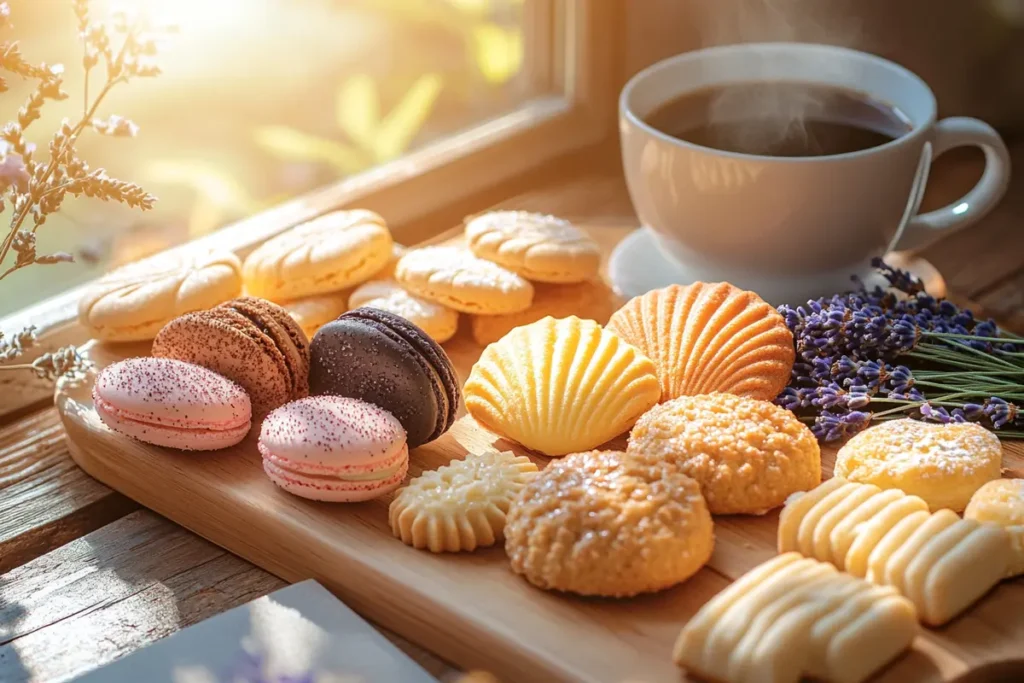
x=34 y=189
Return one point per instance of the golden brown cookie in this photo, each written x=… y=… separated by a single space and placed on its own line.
x=560 y=386
x=453 y=277
x=1002 y=502
x=943 y=464
x=709 y=337
x=537 y=246
x=388 y=271
x=602 y=523
x=327 y=254
x=590 y=300
x=461 y=506
x=133 y=302
x=747 y=455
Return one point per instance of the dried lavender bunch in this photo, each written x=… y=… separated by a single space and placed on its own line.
x=36 y=187
x=881 y=354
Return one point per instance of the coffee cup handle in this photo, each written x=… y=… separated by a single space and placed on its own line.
x=960 y=131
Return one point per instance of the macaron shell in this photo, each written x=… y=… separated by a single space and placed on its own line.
x=287 y=335
x=339 y=491
x=333 y=435
x=367 y=362
x=435 y=357
x=168 y=402
x=184 y=439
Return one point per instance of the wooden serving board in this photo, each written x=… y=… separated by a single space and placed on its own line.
x=469 y=607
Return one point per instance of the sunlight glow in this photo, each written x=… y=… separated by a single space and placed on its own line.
x=193 y=15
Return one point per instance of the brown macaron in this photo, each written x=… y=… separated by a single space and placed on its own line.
x=249 y=340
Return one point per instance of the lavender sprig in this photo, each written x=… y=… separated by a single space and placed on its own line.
x=877 y=354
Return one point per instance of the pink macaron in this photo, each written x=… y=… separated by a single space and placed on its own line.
x=334 y=449
x=172 y=403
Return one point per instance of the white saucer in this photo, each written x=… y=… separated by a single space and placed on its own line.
x=639 y=264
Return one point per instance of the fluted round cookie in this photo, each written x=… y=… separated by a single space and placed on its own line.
x=943 y=464
x=747 y=455
x=453 y=277
x=462 y=505
x=589 y=300
x=537 y=246
x=560 y=386
x=439 y=322
x=709 y=337
x=603 y=523
x=1002 y=502
x=132 y=303
x=329 y=253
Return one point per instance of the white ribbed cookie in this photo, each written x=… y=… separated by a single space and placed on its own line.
x=455 y=278
x=326 y=254
x=132 y=303
x=439 y=322
x=537 y=246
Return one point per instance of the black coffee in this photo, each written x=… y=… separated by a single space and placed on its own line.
x=781 y=119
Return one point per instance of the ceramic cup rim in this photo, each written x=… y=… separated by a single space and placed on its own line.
x=919 y=127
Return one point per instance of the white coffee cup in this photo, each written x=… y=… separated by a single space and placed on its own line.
x=794 y=228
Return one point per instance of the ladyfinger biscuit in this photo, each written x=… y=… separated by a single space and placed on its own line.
x=965 y=573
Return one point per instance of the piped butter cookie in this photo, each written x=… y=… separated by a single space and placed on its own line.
x=329 y=253
x=1002 y=502
x=455 y=278
x=439 y=322
x=462 y=505
x=537 y=246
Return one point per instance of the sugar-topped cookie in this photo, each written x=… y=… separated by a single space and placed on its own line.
x=560 y=386
x=943 y=464
x=1002 y=502
x=747 y=455
x=603 y=523
x=461 y=506
x=537 y=246
x=454 y=277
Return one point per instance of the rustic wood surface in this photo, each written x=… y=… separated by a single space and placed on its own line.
x=45 y=502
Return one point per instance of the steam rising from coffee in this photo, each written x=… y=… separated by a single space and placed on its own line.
x=774 y=117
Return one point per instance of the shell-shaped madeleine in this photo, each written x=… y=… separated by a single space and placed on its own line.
x=560 y=386
x=705 y=338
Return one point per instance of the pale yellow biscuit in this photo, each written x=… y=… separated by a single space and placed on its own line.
x=461 y=506
x=603 y=523
x=748 y=455
x=943 y=464
x=439 y=322
x=590 y=300
x=327 y=254
x=938 y=561
x=313 y=312
x=560 y=386
x=792 y=617
x=537 y=246
x=135 y=301
x=1002 y=502
x=453 y=277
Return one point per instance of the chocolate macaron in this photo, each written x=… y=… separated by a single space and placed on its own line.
x=249 y=340
x=382 y=358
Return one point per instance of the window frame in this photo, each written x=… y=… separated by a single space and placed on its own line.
x=573 y=58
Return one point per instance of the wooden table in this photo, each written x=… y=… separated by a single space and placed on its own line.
x=87 y=576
